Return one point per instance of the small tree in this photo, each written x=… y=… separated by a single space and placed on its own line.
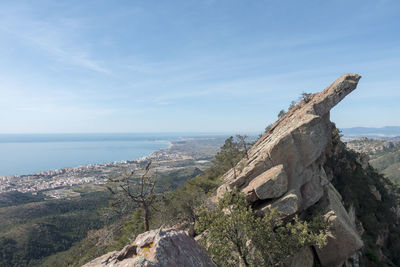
x=305 y=96
x=181 y=205
x=269 y=126
x=292 y=104
x=281 y=113
x=229 y=155
x=135 y=189
x=235 y=236
x=243 y=144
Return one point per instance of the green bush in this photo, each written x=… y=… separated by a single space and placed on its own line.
x=234 y=235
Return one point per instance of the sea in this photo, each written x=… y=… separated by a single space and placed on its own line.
x=32 y=153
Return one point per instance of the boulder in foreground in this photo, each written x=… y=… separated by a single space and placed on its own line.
x=161 y=248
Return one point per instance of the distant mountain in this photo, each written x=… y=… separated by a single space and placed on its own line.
x=387 y=131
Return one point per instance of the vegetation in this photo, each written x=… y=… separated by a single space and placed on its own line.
x=229 y=155
x=235 y=236
x=388 y=164
x=137 y=190
x=269 y=126
x=232 y=232
x=292 y=104
x=99 y=242
x=384 y=155
x=15 y=198
x=180 y=206
x=174 y=179
x=281 y=113
x=30 y=232
x=243 y=144
x=305 y=96
x=376 y=217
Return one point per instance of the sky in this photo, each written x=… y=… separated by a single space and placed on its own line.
x=192 y=66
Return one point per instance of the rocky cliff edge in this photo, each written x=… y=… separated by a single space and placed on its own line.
x=285 y=169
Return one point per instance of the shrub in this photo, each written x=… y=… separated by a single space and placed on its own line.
x=235 y=235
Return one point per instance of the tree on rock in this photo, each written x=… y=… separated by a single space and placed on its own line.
x=281 y=113
x=306 y=97
x=235 y=236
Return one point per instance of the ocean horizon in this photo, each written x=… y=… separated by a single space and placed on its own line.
x=22 y=154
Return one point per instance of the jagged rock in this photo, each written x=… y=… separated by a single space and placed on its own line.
x=145 y=239
x=298 y=142
x=161 y=248
x=298 y=145
x=343 y=238
x=270 y=184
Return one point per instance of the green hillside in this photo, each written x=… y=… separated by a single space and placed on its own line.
x=29 y=232
x=33 y=227
x=384 y=155
x=388 y=164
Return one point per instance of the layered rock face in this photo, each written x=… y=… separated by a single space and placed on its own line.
x=285 y=169
x=161 y=248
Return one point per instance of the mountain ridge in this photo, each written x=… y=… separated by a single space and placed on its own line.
x=386 y=131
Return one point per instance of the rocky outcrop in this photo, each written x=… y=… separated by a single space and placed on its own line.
x=343 y=239
x=161 y=248
x=270 y=184
x=285 y=169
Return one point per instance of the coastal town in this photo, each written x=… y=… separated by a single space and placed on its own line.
x=89 y=174
x=178 y=155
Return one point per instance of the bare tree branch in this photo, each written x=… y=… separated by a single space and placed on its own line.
x=130 y=188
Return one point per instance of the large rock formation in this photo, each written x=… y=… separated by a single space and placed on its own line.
x=291 y=168
x=344 y=240
x=161 y=248
x=285 y=169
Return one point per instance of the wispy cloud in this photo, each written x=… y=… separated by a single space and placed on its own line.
x=56 y=38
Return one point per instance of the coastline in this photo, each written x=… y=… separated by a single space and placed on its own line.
x=187 y=151
x=94 y=173
x=21 y=158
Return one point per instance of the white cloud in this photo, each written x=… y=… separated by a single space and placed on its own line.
x=57 y=38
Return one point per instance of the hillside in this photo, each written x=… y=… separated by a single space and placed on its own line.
x=36 y=226
x=32 y=231
x=384 y=155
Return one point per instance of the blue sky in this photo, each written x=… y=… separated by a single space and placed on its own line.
x=209 y=66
